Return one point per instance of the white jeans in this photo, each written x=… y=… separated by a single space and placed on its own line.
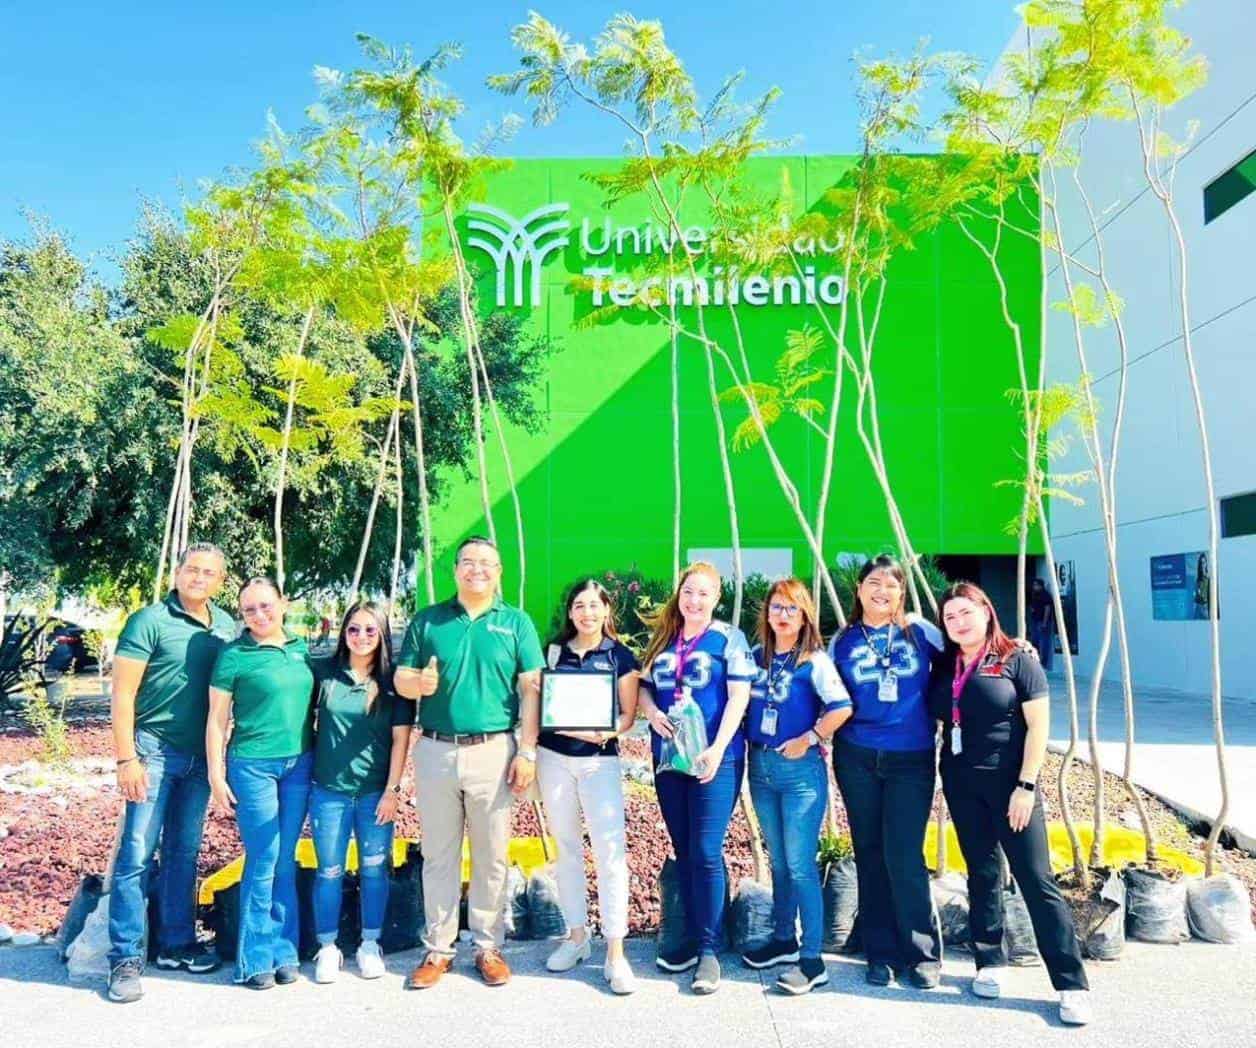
x=594 y=784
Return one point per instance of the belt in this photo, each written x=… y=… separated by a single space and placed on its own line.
x=460 y=739
x=762 y=747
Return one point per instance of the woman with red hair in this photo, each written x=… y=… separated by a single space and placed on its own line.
x=991 y=698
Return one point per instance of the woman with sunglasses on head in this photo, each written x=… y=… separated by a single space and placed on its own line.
x=363 y=732
x=264 y=686
x=578 y=771
x=884 y=761
x=991 y=698
x=797 y=701
x=691 y=652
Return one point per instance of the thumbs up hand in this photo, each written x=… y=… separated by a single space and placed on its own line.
x=429 y=678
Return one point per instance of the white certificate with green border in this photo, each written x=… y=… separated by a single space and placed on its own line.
x=578 y=701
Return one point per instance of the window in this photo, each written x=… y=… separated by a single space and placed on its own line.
x=1238 y=515
x=1227 y=189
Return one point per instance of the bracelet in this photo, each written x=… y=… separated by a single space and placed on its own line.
x=1026 y=785
x=527 y=755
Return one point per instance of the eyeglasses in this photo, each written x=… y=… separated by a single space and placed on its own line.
x=365 y=631
x=788 y=610
x=253 y=610
x=484 y=565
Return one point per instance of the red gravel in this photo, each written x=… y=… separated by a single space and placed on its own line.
x=49 y=848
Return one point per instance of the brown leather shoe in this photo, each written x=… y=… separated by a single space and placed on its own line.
x=492 y=967
x=429 y=972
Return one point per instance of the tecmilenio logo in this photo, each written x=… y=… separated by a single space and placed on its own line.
x=517 y=243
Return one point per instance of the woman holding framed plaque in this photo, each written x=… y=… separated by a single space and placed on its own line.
x=696 y=663
x=588 y=697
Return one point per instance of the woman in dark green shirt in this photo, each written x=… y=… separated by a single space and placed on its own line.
x=263 y=682
x=363 y=734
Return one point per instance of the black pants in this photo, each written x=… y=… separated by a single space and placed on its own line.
x=888 y=797
x=978 y=802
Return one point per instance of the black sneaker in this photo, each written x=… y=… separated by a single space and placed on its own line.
x=287 y=974
x=195 y=959
x=124 y=981
x=878 y=974
x=681 y=959
x=707 y=978
x=260 y=981
x=807 y=974
x=923 y=976
x=778 y=951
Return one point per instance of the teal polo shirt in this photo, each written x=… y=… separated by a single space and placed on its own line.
x=179 y=650
x=353 y=746
x=272 y=696
x=479 y=662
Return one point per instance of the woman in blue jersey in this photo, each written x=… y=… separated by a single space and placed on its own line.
x=884 y=760
x=690 y=652
x=797 y=700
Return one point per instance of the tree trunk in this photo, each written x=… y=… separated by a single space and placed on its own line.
x=401 y=492
x=283 y=450
x=676 y=485
x=1092 y=722
x=762 y=868
x=393 y=433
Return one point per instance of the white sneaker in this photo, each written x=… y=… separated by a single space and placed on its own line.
x=619 y=975
x=327 y=963
x=370 y=961
x=1075 y=1007
x=568 y=955
x=988 y=982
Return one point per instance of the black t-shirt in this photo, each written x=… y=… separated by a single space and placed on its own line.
x=991 y=718
x=609 y=656
x=1041 y=609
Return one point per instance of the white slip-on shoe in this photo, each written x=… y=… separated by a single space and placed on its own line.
x=1075 y=1007
x=370 y=961
x=619 y=975
x=988 y=982
x=327 y=963
x=568 y=955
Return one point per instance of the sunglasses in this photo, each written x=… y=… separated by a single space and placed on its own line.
x=364 y=631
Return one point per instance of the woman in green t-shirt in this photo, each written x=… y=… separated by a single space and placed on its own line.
x=263 y=682
x=363 y=735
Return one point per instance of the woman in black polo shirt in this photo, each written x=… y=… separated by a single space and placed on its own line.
x=580 y=770
x=363 y=731
x=992 y=701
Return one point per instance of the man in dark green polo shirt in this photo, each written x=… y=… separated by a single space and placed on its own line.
x=161 y=671
x=466 y=660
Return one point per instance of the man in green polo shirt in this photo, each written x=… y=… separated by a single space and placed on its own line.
x=466 y=660
x=160 y=702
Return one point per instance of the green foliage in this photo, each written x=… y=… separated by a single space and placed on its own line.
x=47 y=720
x=796 y=374
x=833 y=848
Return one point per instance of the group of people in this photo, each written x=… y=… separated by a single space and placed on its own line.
x=331 y=739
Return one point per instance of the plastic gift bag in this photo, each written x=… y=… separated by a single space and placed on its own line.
x=690 y=738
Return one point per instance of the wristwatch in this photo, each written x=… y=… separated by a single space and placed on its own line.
x=1027 y=786
x=813 y=737
x=527 y=755
x=396 y=789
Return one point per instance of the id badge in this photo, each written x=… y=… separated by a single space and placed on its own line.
x=767 y=723
x=887 y=690
x=957 y=739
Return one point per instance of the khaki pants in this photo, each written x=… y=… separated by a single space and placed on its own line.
x=459 y=786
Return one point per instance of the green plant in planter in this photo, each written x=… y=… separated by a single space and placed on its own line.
x=833 y=847
x=47 y=720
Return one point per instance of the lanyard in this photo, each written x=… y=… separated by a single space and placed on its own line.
x=883 y=657
x=683 y=652
x=961 y=679
x=787 y=663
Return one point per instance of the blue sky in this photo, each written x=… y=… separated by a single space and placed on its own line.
x=103 y=105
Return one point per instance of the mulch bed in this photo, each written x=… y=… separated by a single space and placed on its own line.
x=53 y=841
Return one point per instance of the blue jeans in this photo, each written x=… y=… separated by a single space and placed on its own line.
x=888 y=796
x=178 y=791
x=697 y=816
x=332 y=816
x=1042 y=637
x=272 y=794
x=789 y=799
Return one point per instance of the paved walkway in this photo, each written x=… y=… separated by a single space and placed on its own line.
x=1184 y=996
x=1174 y=754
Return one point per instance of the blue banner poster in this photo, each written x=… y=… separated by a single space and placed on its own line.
x=1179 y=586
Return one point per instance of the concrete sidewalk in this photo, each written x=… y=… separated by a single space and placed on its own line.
x=1187 y=995
x=1174 y=754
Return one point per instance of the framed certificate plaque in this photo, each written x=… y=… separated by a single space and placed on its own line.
x=578 y=701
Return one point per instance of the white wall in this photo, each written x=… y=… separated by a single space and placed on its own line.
x=1160 y=487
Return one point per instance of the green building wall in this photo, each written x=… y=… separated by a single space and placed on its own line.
x=596 y=484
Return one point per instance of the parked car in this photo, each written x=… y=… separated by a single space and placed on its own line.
x=68 y=650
